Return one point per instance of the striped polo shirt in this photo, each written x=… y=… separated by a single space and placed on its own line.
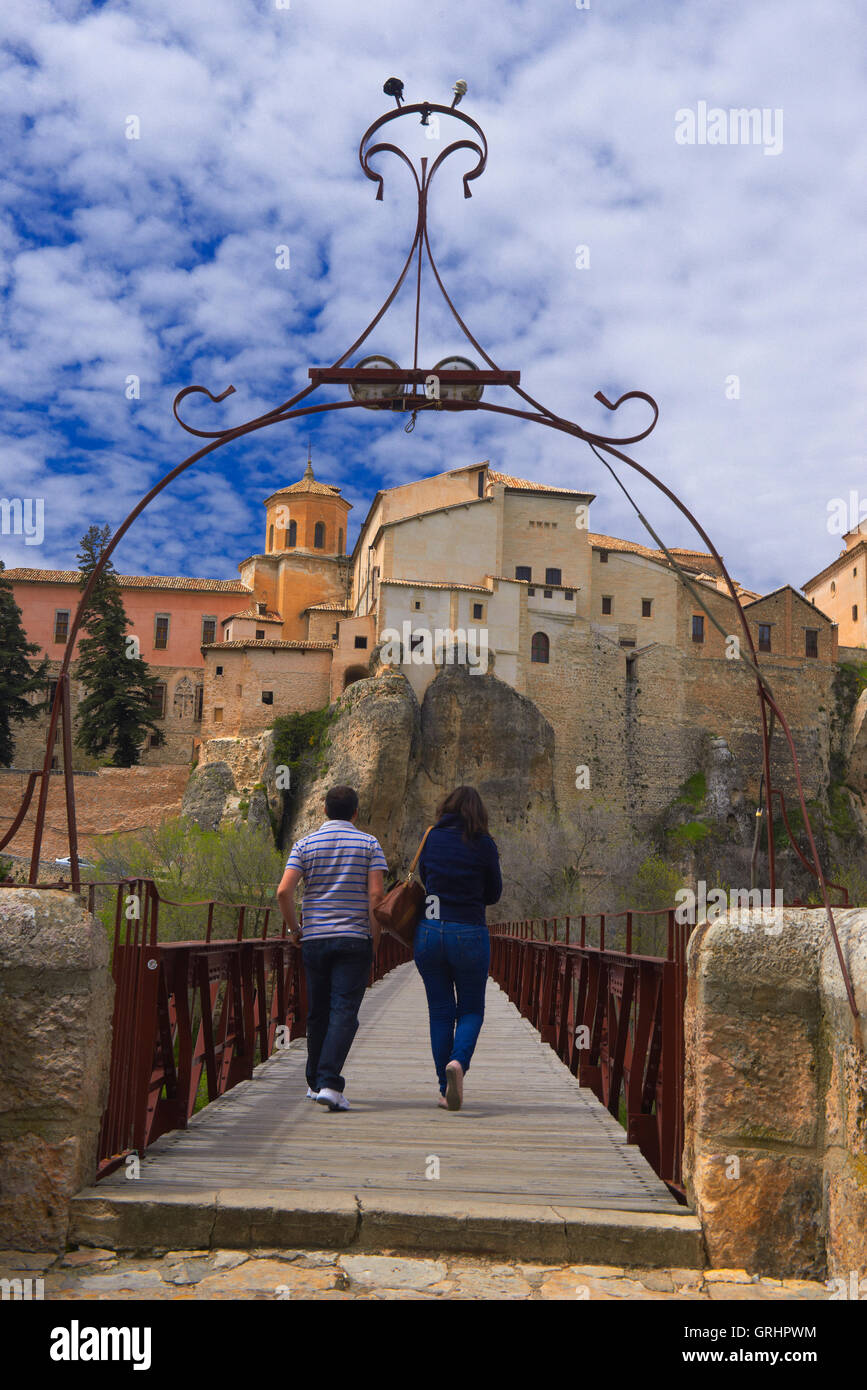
x=335 y=860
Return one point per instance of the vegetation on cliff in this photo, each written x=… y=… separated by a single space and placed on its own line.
x=234 y=864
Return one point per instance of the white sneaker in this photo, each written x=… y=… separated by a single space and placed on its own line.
x=335 y=1100
x=311 y=1095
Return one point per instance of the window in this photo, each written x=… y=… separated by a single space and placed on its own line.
x=319 y=536
x=764 y=637
x=200 y=692
x=267 y=697
x=523 y=572
x=209 y=631
x=158 y=700
x=270 y=537
x=416 y=604
x=292 y=535
x=340 y=541
x=547 y=593
x=218 y=714
x=833 y=588
x=416 y=641
x=260 y=634
x=481 y=484
x=698 y=627
x=52 y=691
x=161 y=631
x=627 y=641
x=478 y=610
x=531 y=592
x=553 y=576
x=854 y=612
x=646 y=607
x=361 y=642
x=228 y=636
x=811 y=647
x=603 y=557
x=569 y=595
x=855 y=572
x=219 y=671
x=61 y=625
x=540 y=647
x=156 y=740
x=261 y=609
x=607 y=603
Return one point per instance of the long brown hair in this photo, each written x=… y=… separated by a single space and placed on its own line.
x=466 y=803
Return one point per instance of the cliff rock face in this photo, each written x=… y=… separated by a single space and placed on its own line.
x=403 y=759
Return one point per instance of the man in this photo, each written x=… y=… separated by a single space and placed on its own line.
x=343 y=873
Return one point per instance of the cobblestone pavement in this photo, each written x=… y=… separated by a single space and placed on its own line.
x=328 y=1274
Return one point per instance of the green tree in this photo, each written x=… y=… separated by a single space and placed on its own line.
x=18 y=677
x=116 y=711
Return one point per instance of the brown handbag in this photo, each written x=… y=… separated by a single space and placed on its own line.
x=401 y=908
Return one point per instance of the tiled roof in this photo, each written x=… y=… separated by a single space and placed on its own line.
x=310 y=487
x=134 y=581
x=634 y=548
x=435 y=584
x=269 y=643
x=328 y=608
x=525 y=485
x=269 y=617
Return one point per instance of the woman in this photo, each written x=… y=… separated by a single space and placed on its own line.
x=460 y=869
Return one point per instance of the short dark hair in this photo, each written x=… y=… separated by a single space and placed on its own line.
x=466 y=803
x=341 y=803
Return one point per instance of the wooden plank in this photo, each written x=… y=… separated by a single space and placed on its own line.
x=527 y=1130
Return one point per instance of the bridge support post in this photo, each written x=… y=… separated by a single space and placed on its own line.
x=56 y=997
x=775 y=1116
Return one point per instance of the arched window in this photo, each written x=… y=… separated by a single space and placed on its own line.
x=292 y=534
x=340 y=541
x=319 y=536
x=539 y=647
x=270 y=537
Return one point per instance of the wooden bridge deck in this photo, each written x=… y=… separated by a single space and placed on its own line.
x=526 y=1130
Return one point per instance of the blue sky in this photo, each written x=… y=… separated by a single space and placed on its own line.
x=155 y=257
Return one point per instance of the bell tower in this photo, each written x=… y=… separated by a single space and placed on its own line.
x=307 y=516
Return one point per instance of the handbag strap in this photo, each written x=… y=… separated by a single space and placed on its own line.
x=418 y=852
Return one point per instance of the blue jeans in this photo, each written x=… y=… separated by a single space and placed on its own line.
x=452 y=959
x=337 y=971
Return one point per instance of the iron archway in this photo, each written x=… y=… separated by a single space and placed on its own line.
x=404 y=396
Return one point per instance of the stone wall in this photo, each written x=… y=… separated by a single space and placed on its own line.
x=56 y=998
x=123 y=799
x=776 y=1093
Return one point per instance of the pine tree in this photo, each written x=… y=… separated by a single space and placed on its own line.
x=116 y=711
x=18 y=678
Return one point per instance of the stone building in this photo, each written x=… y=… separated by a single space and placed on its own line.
x=498 y=573
x=840 y=589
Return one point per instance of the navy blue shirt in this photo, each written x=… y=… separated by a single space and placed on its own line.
x=464 y=875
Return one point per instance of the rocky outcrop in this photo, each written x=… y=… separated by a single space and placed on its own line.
x=403 y=759
x=207 y=794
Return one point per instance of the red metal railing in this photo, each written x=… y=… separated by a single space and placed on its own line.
x=193 y=1013
x=615 y=1017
